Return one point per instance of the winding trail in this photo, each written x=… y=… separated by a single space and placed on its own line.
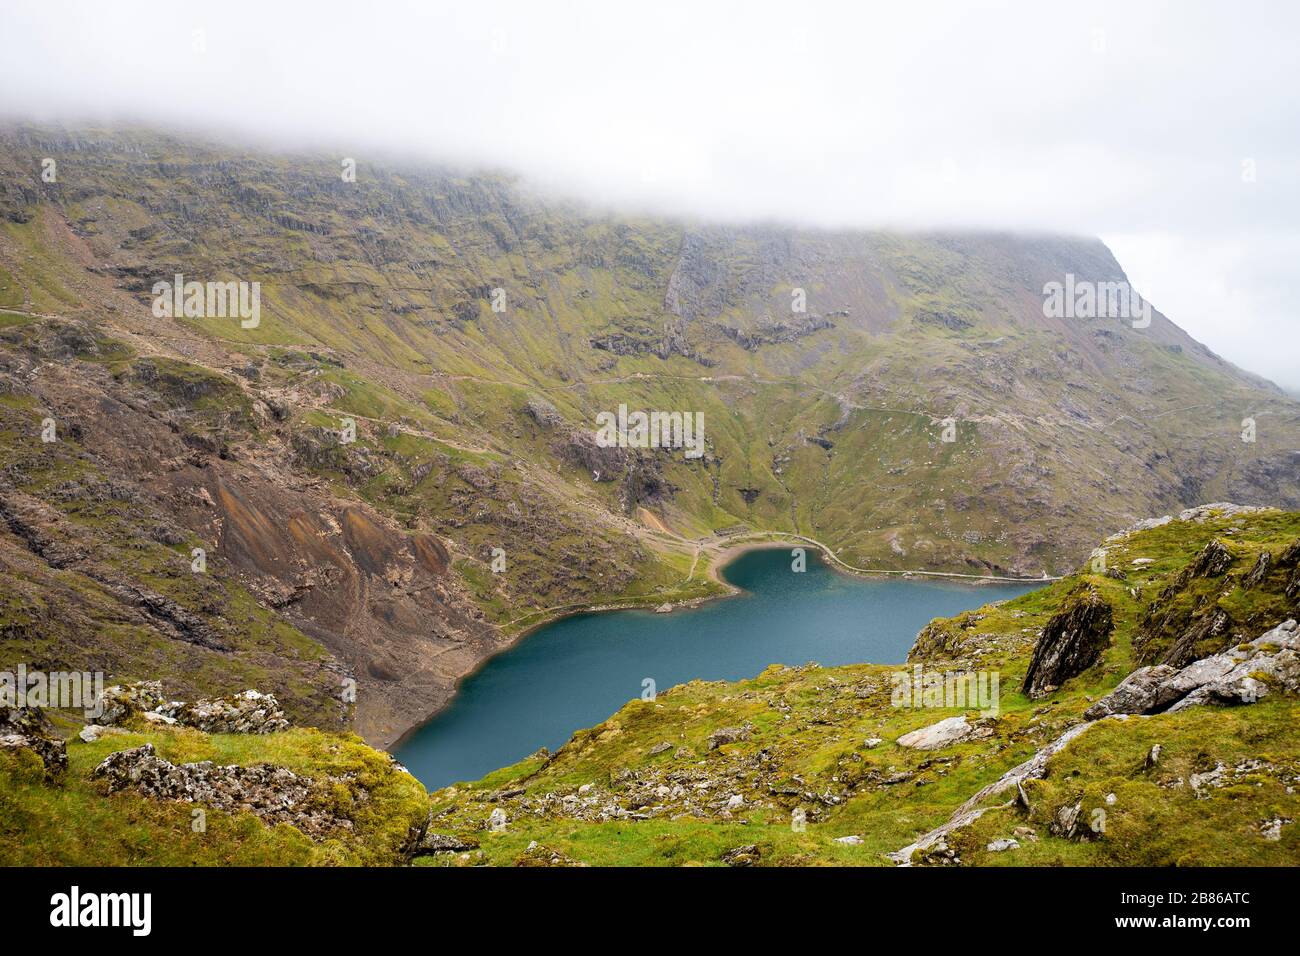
x=830 y=553
x=715 y=545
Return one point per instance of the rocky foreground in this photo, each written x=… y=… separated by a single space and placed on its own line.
x=1146 y=715
x=216 y=780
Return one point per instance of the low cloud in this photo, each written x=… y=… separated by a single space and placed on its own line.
x=1172 y=130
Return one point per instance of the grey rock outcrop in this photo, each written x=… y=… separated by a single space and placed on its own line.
x=746 y=855
x=580 y=449
x=729 y=735
x=1259 y=571
x=1212 y=561
x=90 y=733
x=1198 y=515
x=543 y=412
x=275 y=794
x=1231 y=677
x=432 y=843
x=25 y=728
x=970 y=811
x=1070 y=823
x=1072 y=641
x=251 y=712
x=945 y=733
x=1241 y=674
x=123 y=701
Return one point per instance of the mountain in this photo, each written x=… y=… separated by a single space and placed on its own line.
x=471 y=330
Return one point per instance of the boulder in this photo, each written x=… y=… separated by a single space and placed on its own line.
x=543 y=412
x=729 y=735
x=251 y=712
x=92 y=732
x=538 y=855
x=432 y=843
x=123 y=701
x=1239 y=675
x=26 y=728
x=1139 y=693
x=1271 y=830
x=746 y=855
x=945 y=733
x=1071 y=642
x=1065 y=822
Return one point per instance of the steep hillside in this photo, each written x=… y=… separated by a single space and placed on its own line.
x=472 y=331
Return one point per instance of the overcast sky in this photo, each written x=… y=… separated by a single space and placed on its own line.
x=1171 y=130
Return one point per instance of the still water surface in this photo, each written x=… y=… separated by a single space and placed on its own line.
x=576 y=672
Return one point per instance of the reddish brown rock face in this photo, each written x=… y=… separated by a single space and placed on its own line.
x=376 y=598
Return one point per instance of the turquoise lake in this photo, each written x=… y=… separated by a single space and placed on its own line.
x=576 y=672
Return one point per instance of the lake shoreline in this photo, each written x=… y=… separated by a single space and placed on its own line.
x=835 y=563
x=717 y=563
x=588 y=666
x=713 y=572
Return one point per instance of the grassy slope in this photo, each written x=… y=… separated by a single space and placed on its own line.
x=811 y=723
x=74 y=823
x=374 y=305
x=64 y=616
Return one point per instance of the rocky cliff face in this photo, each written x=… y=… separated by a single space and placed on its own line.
x=306 y=594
